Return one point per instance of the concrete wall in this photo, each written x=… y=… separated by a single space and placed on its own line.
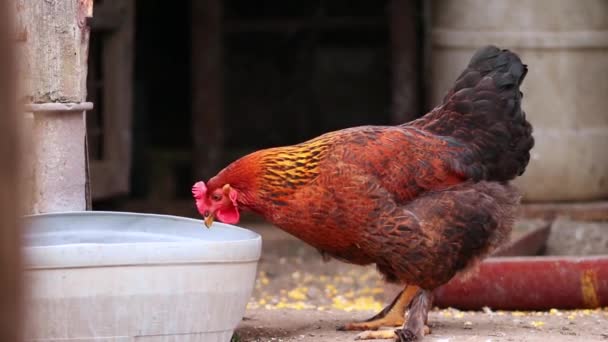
x=53 y=46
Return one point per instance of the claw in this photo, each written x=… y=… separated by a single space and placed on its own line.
x=405 y=335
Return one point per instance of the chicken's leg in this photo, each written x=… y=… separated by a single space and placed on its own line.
x=392 y=316
x=416 y=327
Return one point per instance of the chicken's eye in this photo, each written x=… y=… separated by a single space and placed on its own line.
x=216 y=197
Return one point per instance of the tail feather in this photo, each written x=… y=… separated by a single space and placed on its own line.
x=483 y=111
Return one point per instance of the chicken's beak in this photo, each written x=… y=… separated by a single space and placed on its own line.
x=209 y=220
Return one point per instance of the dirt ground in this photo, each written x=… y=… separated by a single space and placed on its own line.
x=447 y=325
x=300 y=297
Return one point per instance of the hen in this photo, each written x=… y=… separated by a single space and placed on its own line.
x=422 y=201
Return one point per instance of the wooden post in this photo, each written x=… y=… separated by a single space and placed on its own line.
x=207 y=111
x=10 y=242
x=110 y=174
x=405 y=64
x=54 y=38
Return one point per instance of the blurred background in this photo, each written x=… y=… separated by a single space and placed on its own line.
x=214 y=80
x=180 y=91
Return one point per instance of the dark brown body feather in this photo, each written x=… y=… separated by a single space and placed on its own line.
x=422 y=200
x=483 y=111
x=427 y=241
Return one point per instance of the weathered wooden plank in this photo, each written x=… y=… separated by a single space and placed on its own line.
x=53 y=47
x=110 y=176
x=59 y=162
x=207 y=121
x=53 y=54
x=579 y=211
x=10 y=244
x=405 y=65
x=288 y=24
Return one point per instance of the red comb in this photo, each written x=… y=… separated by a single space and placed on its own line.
x=199 y=189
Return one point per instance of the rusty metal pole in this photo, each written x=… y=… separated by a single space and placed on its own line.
x=53 y=42
x=207 y=107
x=530 y=283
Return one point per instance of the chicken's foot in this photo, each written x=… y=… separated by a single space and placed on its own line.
x=385 y=334
x=392 y=316
x=416 y=327
x=376 y=335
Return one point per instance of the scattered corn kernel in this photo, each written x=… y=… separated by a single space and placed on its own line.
x=537 y=324
x=298 y=293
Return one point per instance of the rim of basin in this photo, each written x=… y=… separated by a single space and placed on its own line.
x=105 y=238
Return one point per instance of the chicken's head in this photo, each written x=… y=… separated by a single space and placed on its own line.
x=217 y=203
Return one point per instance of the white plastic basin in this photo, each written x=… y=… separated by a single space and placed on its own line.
x=108 y=276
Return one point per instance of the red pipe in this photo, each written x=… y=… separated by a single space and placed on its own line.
x=530 y=283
